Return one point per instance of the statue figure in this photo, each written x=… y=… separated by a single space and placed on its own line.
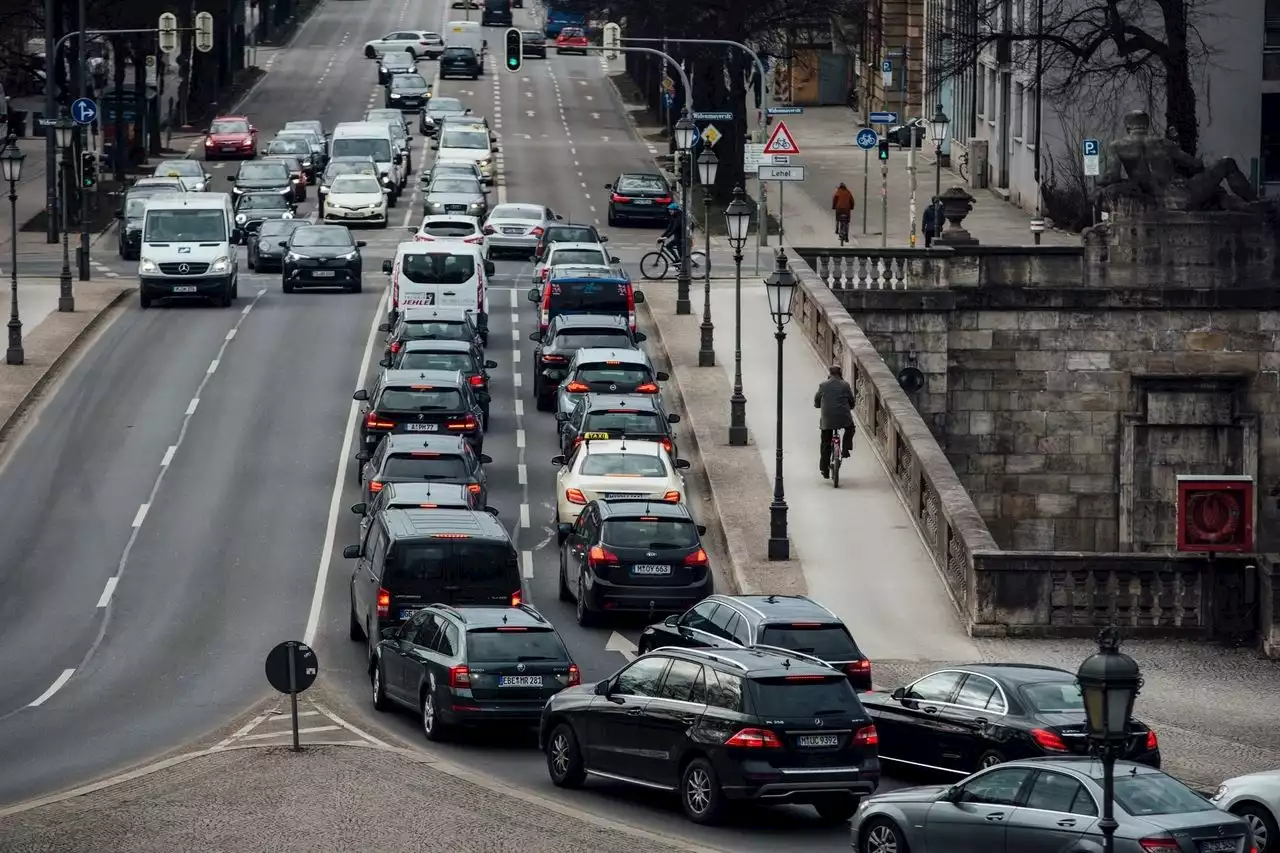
x=1156 y=168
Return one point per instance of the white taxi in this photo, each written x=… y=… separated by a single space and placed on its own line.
x=601 y=467
x=356 y=198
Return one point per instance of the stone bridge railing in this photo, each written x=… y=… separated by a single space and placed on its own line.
x=943 y=268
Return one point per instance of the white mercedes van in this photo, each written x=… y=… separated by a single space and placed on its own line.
x=371 y=139
x=188 y=248
x=453 y=275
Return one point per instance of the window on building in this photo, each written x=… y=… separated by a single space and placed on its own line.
x=1271 y=138
x=1019 y=16
x=1271 y=45
x=1016 y=127
x=982 y=90
x=992 y=82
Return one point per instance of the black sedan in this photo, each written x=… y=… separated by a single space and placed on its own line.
x=253 y=209
x=901 y=134
x=569 y=333
x=433 y=114
x=534 y=44
x=265 y=253
x=322 y=256
x=966 y=718
x=297 y=174
x=639 y=197
x=407 y=92
x=262 y=176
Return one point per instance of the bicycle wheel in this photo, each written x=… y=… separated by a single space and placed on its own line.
x=835 y=465
x=654 y=266
x=698 y=264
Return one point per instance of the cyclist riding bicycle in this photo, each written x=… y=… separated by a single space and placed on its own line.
x=842 y=203
x=835 y=399
x=674 y=235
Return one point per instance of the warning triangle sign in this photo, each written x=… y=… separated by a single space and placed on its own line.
x=781 y=141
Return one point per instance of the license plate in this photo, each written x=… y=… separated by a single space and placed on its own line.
x=1218 y=845
x=512 y=230
x=422 y=427
x=184 y=288
x=520 y=681
x=227 y=149
x=621 y=496
x=818 y=740
x=323 y=273
x=454 y=208
x=643 y=201
x=645 y=569
x=405 y=613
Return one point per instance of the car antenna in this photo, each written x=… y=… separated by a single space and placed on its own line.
x=504 y=618
x=772 y=599
x=786 y=663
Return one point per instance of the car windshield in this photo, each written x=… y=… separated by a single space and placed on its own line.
x=491 y=645
x=323 y=235
x=591 y=340
x=425 y=466
x=1142 y=794
x=288 y=146
x=179 y=169
x=303 y=126
x=447 y=229
x=572 y=234
x=613 y=374
x=458 y=186
x=229 y=126
x=578 y=257
x=473 y=139
x=278 y=228
x=829 y=642
x=641 y=183
x=806 y=697
x=136 y=203
x=622 y=465
x=436 y=361
x=438 y=268
x=1053 y=697
x=425 y=330
x=185 y=226
x=461 y=170
x=378 y=149
x=397 y=60
x=530 y=35
x=626 y=421
x=518 y=211
x=446 y=105
x=652 y=533
x=264 y=172
x=293 y=164
x=408 y=81
x=261 y=201
x=420 y=400
x=356 y=184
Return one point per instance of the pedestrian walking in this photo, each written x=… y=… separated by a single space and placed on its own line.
x=931 y=222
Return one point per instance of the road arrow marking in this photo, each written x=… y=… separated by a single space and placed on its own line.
x=604 y=138
x=530 y=113
x=621 y=645
x=589 y=98
x=595 y=115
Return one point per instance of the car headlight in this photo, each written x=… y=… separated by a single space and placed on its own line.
x=386 y=179
x=286 y=215
x=291 y=257
x=220 y=265
x=1219 y=794
x=394 y=96
x=475 y=205
x=484 y=164
x=306 y=164
x=147 y=265
x=349 y=256
x=241 y=218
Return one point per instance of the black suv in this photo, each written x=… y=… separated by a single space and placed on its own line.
x=132 y=209
x=419 y=402
x=418 y=495
x=322 y=256
x=793 y=623
x=253 y=209
x=610 y=416
x=459 y=62
x=566 y=232
x=471 y=666
x=733 y=724
x=431 y=324
x=633 y=555
x=417 y=458
x=412 y=557
x=569 y=333
x=431 y=354
x=264 y=176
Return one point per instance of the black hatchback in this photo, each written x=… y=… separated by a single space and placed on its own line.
x=459 y=62
x=429 y=323
x=608 y=416
x=322 y=256
x=471 y=666
x=419 y=402
x=715 y=727
x=462 y=356
x=408 y=458
x=253 y=209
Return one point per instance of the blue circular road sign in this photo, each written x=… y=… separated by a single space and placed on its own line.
x=84 y=110
x=868 y=139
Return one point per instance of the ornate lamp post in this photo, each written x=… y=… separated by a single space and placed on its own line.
x=1110 y=681
x=938 y=126
x=685 y=132
x=64 y=133
x=737 y=220
x=11 y=170
x=781 y=288
x=708 y=166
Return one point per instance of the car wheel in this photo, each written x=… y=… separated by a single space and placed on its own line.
x=613 y=220
x=356 y=630
x=370 y=53
x=432 y=726
x=566 y=594
x=990 y=758
x=881 y=835
x=484 y=419
x=144 y=299
x=377 y=681
x=1263 y=825
x=700 y=794
x=357 y=287
x=235 y=288
x=286 y=285
x=224 y=298
x=585 y=617
x=412 y=55
x=564 y=758
x=836 y=810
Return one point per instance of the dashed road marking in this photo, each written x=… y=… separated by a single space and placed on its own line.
x=141 y=515
x=191 y=407
x=213 y=366
x=522 y=474
x=526 y=562
x=519 y=439
x=53 y=688
x=105 y=598
x=168 y=456
x=524 y=515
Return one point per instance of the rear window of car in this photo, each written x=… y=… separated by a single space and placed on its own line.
x=593 y=340
x=642 y=183
x=599 y=296
x=449 y=229
x=1053 y=697
x=420 y=400
x=804 y=696
x=1156 y=794
x=565 y=234
x=622 y=465
x=614 y=374
x=425 y=330
x=475 y=562
x=829 y=642
x=490 y=645
x=623 y=420
x=423 y=467
x=654 y=534
x=489 y=562
x=438 y=268
x=577 y=257
x=436 y=361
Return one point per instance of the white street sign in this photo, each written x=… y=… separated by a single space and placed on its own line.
x=781 y=173
x=752 y=157
x=168 y=33
x=1092 y=165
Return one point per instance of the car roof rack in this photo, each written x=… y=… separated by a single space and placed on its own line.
x=726 y=660
x=533 y=611
x=448 y=608
x=793 y=653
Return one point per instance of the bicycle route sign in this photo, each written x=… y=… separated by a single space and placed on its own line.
x=868 y=139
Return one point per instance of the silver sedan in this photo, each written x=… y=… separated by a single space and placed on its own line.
x=516 y=228
x=455 y=195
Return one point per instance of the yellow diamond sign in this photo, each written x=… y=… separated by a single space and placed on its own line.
x=711 y=134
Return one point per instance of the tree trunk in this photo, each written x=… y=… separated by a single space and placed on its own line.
x=1180 y=93
x=117 y=94
x=137 y=145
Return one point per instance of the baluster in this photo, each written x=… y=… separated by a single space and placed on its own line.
x=864 y=281
x=880 y=277
x=837 y=273
x=894 y=271
x=824 y=271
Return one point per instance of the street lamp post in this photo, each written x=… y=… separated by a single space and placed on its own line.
x=737 y=220
x=64 y=132
x=11 y=170
x=685 y=131
x=938 y=129
x=708 y=166
x=781 y=289
x=1109 y=681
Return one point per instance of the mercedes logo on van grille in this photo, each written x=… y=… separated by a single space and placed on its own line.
x=183 y=269
x=817 y=721
x=519 y=667
x=613 y=387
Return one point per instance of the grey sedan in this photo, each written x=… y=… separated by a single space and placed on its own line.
x=190 y=172
x=516 y=228
x=455 y=195
x=1047 y=804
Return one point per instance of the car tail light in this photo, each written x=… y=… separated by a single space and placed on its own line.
x=1153 y=742
x=384 y=604
x=517 y=598
x=697 y=558
x=578 y=441
x=858 y=667
x=866 y=736
x=575 y=675
x=428 y=506
x=755 y=739
x=672 y=497
x=477 y=381
x=577 y=387
x=599 y=555
x=467 y=424
x=631 y=308
x=375 y=486
x=544 y=273
x=666 y=199
x=423 y=238
x=667 y=445
x=554 y=359
x=489 y=229
x=1048 y=741
x=459 y=676
x=619 y=199
x=1159 y=844
x=373 y=421
x=575 y=496
x=425 y=43
x=472 y=240
x=544 y=318
x=395 y=346
x=647 y=388
x=473 y=488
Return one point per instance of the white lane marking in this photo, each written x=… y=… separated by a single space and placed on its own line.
x=289 y=732
x=141 y=515
x=213 y=366
x=168 y=455
x=247 y=308
x=515 y=379
x=621 y=645
x=515 y=356
x=526 y=562
x=522 y=474
x=515 y=334
x=231 y=333
x=408 y=217
x=524 y=515
x=54 y=688
x=355 y=731
x=520 y=439
x=519 y=408
x=335 y=501
x=105 y=598
x=243 y=730
x=191 y=407
x=514 y=301
x=515 y=315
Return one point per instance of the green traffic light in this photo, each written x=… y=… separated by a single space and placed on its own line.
x=512 y=61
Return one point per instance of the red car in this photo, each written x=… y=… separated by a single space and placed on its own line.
x=231 y=138
x=572 y=40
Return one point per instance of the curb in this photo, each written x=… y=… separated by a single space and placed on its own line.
x=56 y=366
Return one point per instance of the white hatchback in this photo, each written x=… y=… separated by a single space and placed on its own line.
x=356 y=198
x=449 y=227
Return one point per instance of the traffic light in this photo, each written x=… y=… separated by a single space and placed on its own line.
x=515 y=50
x=88 y=170
x=884 y=149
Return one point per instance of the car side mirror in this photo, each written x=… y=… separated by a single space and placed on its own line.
x=673 y=419
x=682 y=465
x=492 y=510
x=536 y=337
x=564 y=530
x=559 y=218
x=608 y=186
x=702 y=529
x=490 y=364
x=435 y=146
x=360 y=508
x=558 y=461
x=360 y=244
x=386 y=267
x=120 y=214
x=604 y=239
x=639 y=296
x=467 y=111
x=535 y=295
x=490 y=268
x=561 y=417
x=384 y=362
x=672 y=621
x=398 y=159
x=640 y=337
x=662 y=377
x=252 y=129
x=362 y=456
x=361 y=395
x=351 y=552
x=899 y=694
x=386 y=190
x=323 y=189
x=485 y=459
x=283 y=244
x=231 y=178
x=614 y=260
x=390 y=633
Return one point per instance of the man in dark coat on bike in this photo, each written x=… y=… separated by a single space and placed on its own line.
x=674 y=235
x=835 y=401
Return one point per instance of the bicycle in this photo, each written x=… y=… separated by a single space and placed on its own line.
x=835 y=455
x=657 y=264
x=842 y=229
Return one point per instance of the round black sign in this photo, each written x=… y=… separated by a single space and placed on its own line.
x=305 y=666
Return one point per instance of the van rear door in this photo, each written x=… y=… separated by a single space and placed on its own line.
x=483 y=571
x=443 y=277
